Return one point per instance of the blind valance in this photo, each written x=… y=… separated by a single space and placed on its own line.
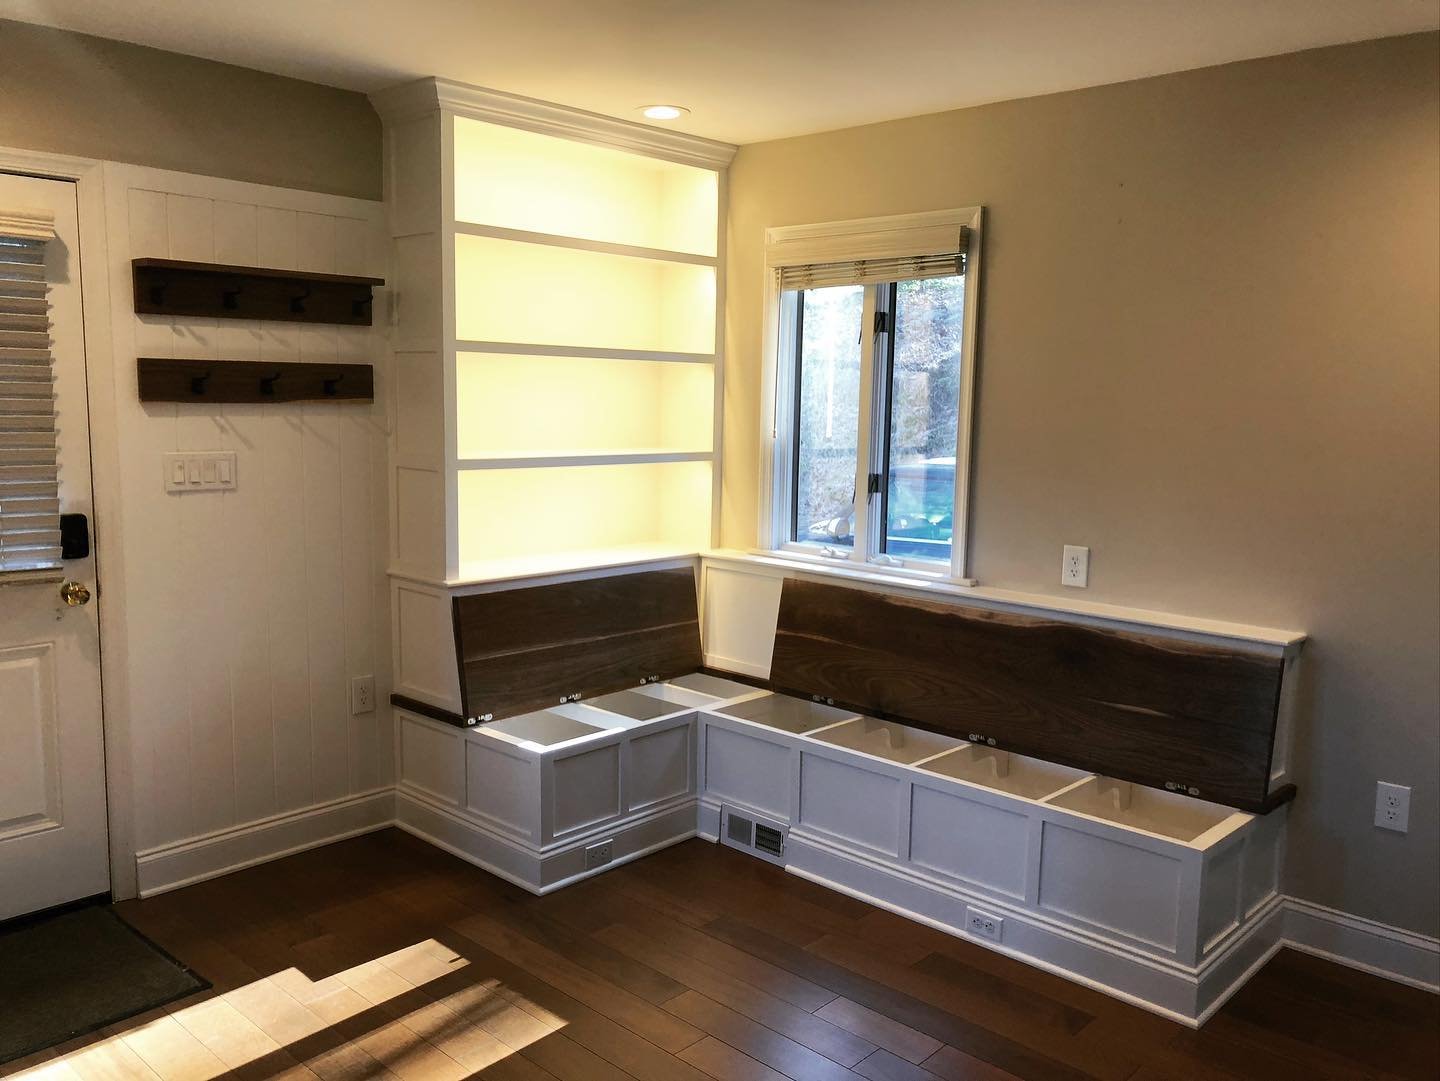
x=29 y=473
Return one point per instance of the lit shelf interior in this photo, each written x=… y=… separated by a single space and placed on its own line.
x=510 y=514
x=518 y=179
x=510 y=405
x=511 y=291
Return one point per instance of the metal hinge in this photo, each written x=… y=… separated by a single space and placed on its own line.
x=1181 y=786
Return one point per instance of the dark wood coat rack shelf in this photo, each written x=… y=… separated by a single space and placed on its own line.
x=215 y=291
x=254 y=381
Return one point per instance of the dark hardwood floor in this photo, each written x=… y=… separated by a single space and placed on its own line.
x=383 y=956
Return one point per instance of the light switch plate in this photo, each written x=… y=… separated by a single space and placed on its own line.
x=199 y=471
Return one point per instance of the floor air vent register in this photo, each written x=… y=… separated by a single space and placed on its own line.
x=758 y=838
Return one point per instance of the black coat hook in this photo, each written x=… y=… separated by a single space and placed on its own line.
x=197 y=383
x=331 y=385
x=297 y=302
x=157 y=293
x=230 y=298
x=267 y=384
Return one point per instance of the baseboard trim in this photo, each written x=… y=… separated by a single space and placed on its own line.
x=196 y=859
x=1363 y=944
x=536 y=871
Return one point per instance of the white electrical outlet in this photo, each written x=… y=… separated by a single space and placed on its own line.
x=599 y=854
x=1075 y=566
x=983 y=925
x=362 y=695
x=1392 y=807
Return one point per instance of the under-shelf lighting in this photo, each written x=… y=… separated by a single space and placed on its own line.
x=663 y=112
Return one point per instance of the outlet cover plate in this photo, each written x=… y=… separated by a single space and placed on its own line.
x=599 y=854
x=1075 y=567
x=983 y=924
x=1392 y=806
x=362 y=695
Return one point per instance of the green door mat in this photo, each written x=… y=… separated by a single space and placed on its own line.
x=72 y=973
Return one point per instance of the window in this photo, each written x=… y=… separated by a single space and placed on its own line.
x=29 y=484
x=873 y=352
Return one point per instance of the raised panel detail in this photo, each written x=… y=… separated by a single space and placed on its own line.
x=426 y=647
x=658 y=767
x=1110 y=885
x=749 y=771
x=431 y=759
x=30 y=797
x=853 y=805
x=586 y=788
x=969 y=840
x=500 y=787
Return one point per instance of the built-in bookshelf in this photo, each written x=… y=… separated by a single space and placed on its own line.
x=558 y=335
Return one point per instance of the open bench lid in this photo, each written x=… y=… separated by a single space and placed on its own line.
x=1193 y=717
x=524 y=649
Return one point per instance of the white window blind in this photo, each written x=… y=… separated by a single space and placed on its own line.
x=930 y=245
x=871 y=271
x=29 y=473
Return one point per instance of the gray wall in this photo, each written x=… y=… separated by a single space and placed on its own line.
x=74 y=94
x=1210 y=349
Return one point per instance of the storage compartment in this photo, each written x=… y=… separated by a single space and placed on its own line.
x=1029 y=778
x=1167 y=814
x=888 y=740
x=785 y=714
x=543 y=729
x=519 y=179
x=509 y=291
x=635 y=706
x=680 y=696
x=714 y=686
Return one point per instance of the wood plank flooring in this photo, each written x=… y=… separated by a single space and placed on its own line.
x=383 y=957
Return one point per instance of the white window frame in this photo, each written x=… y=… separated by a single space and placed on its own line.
x=837 y=242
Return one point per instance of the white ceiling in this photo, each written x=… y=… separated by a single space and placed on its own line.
x=748 y=69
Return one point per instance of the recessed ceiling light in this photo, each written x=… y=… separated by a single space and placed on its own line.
x=663 y=112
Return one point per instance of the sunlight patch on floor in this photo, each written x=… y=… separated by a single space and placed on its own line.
x=385 y=1012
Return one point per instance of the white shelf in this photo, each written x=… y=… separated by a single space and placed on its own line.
x=531 y=349
x=509 y=290
x=556 y=240
x=542 y=461
x=481 y=572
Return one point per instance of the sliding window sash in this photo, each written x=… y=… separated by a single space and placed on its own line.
x=29 y=472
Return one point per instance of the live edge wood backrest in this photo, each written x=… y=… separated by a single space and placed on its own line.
x=526 y=649
x=1136 y=707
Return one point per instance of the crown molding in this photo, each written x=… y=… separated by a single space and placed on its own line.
x=411 y=100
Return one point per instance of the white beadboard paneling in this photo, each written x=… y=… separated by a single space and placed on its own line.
x=249 y=611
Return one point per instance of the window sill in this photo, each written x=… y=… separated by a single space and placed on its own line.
x=1094 y=612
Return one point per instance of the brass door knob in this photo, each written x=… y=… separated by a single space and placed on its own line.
x=75 y=594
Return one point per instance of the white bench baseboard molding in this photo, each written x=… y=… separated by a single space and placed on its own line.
x=1173 y=990
x=1186 y=995
x=530 y=868
x=1367 y=945
x=194 y=859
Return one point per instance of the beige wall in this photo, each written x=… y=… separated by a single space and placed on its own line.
x=73 y=94
x=1209 y=352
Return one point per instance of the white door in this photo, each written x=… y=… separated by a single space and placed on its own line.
x=53 y=845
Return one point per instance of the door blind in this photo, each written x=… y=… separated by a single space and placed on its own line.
x=29 y=471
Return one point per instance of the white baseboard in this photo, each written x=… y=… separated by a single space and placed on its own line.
x=539 y=871
x=1353 y=941
x=1367 y=945
x=194 y=859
